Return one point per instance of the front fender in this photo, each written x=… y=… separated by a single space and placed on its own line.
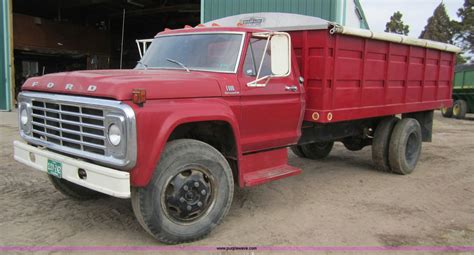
x=157 y=119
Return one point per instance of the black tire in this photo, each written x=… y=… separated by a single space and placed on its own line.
x=298 y=151
x=405 y=146
x=168 y=210
x=355 y=144
x=381 y=142
x=447 y=112
x=317 y=150
x=459 y=109
x=73 y=190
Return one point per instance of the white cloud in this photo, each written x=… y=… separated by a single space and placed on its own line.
x=415 y=12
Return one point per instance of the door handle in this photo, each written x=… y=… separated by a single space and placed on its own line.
x=291 y=88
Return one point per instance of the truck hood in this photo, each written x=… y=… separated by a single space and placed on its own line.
x=118 y=84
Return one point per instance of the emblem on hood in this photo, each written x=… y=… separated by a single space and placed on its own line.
x=68 y=86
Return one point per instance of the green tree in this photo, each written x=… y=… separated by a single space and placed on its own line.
x=395 y=25
x=439 y=27
x=460 y=59
x=464 y=30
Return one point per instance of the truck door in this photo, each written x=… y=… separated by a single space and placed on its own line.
x=271 y=115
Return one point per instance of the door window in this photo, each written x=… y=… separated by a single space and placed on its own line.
x=254 y=56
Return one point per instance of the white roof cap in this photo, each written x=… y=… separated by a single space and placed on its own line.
x=277 y=21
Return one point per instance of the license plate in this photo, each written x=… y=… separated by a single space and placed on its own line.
x=55 y=168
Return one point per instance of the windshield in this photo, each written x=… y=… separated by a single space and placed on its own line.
x=207 y=52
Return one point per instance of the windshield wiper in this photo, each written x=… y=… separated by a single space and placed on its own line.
x=143 y=64
x=178 y=63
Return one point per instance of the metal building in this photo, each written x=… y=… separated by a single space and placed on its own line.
x=43 y=36
x=344 y=12
x=5 y=56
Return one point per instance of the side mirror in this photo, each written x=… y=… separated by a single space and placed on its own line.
x=281 y=52
x=280 y=57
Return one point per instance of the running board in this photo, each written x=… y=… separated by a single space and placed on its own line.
x=267 y=175
x=265 y=166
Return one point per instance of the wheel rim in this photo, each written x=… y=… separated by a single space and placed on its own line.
x=456 y=110
x=189 y=195
x=444 y=110
x=321 y=146
x=411 y=148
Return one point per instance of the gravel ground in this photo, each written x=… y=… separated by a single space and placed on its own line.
x=340 y=201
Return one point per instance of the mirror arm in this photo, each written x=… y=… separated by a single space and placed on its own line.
x=268 y=77
x=255 y=84
x=263 y=57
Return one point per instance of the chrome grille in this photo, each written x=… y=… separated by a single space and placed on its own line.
x=73 y=126
x=76 y=126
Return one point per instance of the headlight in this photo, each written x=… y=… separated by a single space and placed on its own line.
x=115 y=134
x=24 y=117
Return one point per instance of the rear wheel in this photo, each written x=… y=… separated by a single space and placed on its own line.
x=189 y=194
x=381 y=142
x=459 y=109
x=447 y=112
x=297 y=150
x=355 y=143
x=405 y=146
x=73 y=190
x=317 y=150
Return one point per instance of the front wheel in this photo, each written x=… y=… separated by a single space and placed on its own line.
x=189 y=194
x=73 y=190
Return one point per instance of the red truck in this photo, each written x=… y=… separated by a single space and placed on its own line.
x=211 y=107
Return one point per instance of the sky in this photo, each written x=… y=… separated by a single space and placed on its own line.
x=415 y=12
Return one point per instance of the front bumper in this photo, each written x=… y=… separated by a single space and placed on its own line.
x=102 y=179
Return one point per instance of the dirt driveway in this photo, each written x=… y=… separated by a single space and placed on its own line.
x=341 y=201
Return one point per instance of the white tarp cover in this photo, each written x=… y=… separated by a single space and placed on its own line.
x=278 y=21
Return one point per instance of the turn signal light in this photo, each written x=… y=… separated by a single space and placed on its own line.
x=139 y=96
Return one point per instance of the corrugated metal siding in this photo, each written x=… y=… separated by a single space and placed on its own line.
x=5 y=103
x=3 y=77
x=464 y=77
x=364 y=24
x=215 y=9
